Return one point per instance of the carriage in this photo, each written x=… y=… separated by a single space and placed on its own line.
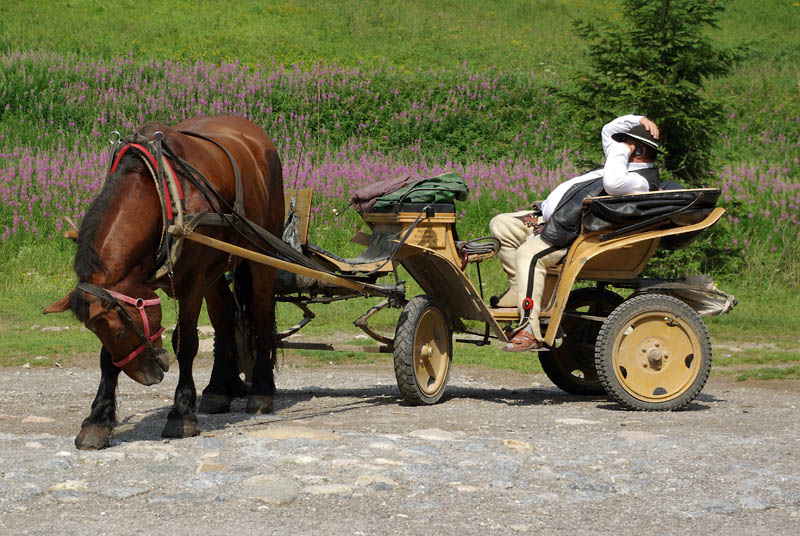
x=650 y=351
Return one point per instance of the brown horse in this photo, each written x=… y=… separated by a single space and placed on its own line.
x=118 y=244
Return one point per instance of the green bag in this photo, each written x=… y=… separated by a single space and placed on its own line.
x=444 y=188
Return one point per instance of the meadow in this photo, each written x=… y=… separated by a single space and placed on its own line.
x=356 y=94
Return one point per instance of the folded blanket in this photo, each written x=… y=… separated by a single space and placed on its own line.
x=365 y=198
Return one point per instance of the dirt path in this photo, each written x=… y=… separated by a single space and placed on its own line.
x=503 y=453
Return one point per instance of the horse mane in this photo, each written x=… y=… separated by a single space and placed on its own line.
x=87 y=259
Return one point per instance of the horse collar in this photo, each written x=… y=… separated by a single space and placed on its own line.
x=170 y=196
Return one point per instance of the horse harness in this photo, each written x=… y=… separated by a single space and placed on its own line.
x=112 y=300
x=159 y=159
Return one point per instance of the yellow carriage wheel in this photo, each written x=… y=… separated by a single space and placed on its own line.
x=422 y=351
x=653 y=353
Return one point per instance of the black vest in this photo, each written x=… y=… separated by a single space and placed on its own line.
x=564 y=224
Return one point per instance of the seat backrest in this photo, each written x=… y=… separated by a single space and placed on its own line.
x=624 y=214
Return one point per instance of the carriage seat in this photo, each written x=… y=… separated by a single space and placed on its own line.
x=376 y=258
x=613 y=217
x=297 y=217
x=616 y=216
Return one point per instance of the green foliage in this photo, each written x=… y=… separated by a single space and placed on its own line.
x=653 y=58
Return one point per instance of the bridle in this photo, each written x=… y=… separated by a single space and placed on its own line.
x=112 y=301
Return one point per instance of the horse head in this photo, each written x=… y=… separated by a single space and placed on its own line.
x=128 y=327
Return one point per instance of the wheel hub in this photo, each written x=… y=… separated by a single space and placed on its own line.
x=426 y=351
x=653 y=353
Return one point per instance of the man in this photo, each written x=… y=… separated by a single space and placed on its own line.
x=532 y=242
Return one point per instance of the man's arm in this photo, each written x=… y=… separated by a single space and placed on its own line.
x=620 y=124
x=616 y=179
x=624 y=124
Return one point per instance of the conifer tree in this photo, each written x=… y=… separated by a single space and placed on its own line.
x=653 y=57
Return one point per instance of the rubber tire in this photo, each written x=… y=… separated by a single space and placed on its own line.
x=639 y=308
x=581 y=338
x=419 y=309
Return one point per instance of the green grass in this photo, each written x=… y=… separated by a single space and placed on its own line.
x=409 y=34
x=524 y=34
x=763 y=313
x=770 y=373
x=762 y=356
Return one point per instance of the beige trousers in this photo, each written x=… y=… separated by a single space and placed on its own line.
x=525 y=258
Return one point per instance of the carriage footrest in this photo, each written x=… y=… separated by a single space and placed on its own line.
x=477 y=249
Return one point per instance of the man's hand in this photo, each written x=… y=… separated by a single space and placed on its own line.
x=651 y=127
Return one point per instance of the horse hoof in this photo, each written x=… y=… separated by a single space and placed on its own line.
x=93 y=437
x=180 y=427
x=211 y=403
x=260 y=404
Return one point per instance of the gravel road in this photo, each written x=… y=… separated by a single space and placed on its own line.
x=504 y=453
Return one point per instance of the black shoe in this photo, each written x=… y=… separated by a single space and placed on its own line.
x=494 y=301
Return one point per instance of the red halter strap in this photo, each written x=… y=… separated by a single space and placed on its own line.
x=140 y=304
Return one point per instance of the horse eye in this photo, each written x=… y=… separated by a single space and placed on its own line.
x=119 y=334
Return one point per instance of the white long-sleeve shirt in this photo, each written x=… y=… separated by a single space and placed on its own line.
x=616 y=177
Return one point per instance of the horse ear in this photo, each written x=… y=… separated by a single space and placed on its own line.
x=59 y=306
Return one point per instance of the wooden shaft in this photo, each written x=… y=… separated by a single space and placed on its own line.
x=269 y=261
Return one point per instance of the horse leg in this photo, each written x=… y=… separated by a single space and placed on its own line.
x=262 y=311
x=224 y=384
x=182 y=421
x=96 y=428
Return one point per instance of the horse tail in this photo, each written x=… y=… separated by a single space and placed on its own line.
x=275 y=189
x=244 y=335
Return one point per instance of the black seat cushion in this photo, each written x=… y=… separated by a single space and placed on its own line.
x=678 y=207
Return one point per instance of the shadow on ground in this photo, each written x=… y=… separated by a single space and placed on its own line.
x=294 y=405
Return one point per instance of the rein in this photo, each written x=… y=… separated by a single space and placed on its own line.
x=113 y=298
